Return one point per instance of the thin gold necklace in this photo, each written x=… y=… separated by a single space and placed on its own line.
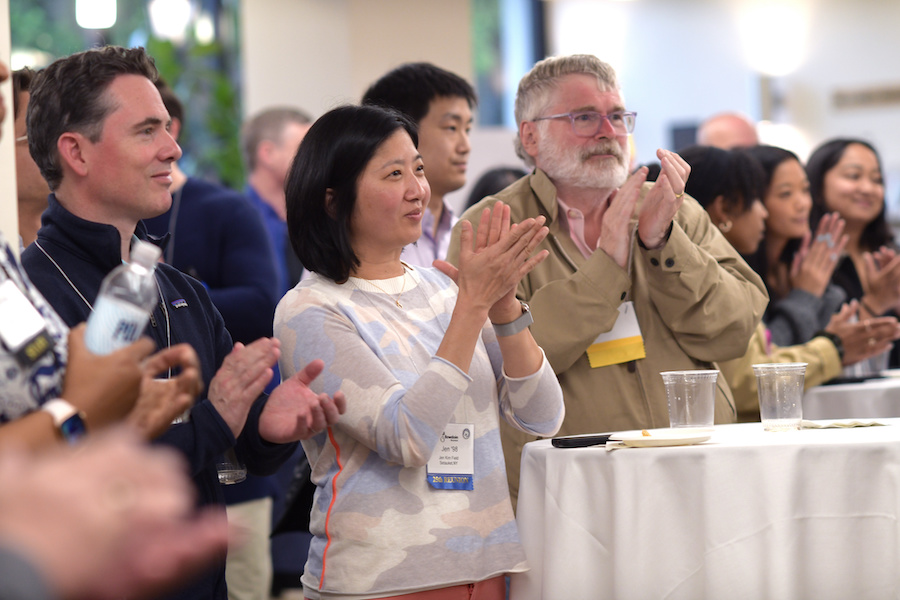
x=384 y=291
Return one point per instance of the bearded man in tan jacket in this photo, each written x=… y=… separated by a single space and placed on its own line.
x=638 y=279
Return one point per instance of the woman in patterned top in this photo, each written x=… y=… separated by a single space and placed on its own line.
x=412 y=495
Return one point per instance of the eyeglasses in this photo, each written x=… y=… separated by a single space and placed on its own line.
x=588 y=123
x=23 y=138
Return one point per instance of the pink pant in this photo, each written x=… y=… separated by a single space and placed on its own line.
x=489 y=589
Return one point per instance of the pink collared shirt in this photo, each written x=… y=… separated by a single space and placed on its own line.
x=572 y=220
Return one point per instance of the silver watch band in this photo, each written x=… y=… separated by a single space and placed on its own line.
x=514 y=327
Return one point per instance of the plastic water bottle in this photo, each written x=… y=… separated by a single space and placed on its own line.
x=123 y=305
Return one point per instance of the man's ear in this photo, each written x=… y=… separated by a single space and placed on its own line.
x=71 y=147
x=529 y=136
x=264 y=152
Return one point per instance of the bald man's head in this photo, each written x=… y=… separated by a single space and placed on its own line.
x=727 y=131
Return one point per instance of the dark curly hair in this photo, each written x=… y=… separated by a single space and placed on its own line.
x=733 y=174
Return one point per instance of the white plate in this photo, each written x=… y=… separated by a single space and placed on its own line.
x=663 y=437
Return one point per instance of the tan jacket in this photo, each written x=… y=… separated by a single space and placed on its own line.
x=696 y=300
x=819 y=354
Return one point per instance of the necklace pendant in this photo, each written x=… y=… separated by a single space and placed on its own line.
x=397 y=302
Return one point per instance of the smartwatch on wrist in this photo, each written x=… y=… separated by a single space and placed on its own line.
x=68 y=419
x=835 y=339
x=514 y=327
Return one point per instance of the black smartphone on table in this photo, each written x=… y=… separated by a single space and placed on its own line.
x=580 y=441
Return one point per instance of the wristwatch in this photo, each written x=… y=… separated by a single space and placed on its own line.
x=514 y=327
x=835 y=339
x=68 y=419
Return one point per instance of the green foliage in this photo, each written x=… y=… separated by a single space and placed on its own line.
x=485 y=35
x=202 y=74
x=32 y=27
x=211 y=131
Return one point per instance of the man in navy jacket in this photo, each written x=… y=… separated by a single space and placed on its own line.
x=99 y=132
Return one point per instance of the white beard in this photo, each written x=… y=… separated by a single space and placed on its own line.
x=573 y=167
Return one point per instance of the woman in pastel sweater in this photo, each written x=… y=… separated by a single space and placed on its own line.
x=412 y=494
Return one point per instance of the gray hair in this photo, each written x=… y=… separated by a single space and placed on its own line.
x=268 y=125
x=535 y=88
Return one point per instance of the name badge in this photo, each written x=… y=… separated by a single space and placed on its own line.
x=21 y=325
x=620 y=344
x=452 y=464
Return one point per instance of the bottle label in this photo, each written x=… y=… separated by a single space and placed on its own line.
x=114 y=324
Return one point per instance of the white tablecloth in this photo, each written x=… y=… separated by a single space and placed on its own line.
x=748 y=514
x=870 y=399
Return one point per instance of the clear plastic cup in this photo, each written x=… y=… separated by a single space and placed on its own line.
x=780 y=387
x=692 y=397
x=230 y=468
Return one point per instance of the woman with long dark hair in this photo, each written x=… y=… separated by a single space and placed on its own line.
x=845 y=176
x=795 y=265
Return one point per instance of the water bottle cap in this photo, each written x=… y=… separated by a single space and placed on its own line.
x=145 y=254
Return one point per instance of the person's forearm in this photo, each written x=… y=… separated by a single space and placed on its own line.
x=33 y=432
x=458 y=345
x=521 y=355
x=260 y=456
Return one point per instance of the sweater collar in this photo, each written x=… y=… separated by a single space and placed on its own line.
x=97 y=243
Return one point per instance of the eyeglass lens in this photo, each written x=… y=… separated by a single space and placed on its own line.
x=588 y=124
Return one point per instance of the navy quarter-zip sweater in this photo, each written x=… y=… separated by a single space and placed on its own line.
x=86 y=252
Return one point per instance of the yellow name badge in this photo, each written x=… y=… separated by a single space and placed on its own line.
x=620 y=344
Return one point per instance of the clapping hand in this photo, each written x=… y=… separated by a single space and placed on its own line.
x=862 y=339
x=106 y=386
x=881 y=281
x=815 y=261
x=113 y=519
x=490 y=268
x=615 y=229
x=663 y=200
x=161 y=400
x=240 y=380
x=294 y=412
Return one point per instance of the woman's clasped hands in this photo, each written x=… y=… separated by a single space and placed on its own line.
x=494 y=259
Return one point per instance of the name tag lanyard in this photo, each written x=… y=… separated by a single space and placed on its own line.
x=159 y=291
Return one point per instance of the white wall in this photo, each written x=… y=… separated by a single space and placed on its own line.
x=680 y=61
x=295 y=53
x=316 y=54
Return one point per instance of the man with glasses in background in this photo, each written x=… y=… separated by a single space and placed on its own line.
x=638 y=280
